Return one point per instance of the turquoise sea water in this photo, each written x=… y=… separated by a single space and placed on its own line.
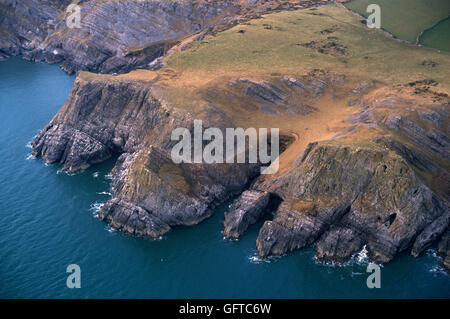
x=47 y=221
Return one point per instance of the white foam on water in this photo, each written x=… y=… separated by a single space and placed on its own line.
x=331 y=264
x=361 y=257
x=230 y=239
x=110 y=230
x=437 y=269
x=63 y=172
x=104 y=193
x=433 y=253
x=254 y=259
x=95 y=175
x=95 y=207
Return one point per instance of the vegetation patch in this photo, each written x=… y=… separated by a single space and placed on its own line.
x=329 y=46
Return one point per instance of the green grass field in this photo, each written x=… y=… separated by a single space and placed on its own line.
x=406 y=19
x=438 y=37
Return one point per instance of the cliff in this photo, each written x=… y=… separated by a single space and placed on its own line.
x=364 y=158
x=367 y=188
x=108 y=116
x=116 y=36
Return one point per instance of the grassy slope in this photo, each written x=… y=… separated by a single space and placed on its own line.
x=264 y=52
x=406 y=18
x=268 y=49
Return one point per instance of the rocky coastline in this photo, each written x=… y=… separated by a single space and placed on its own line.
x=382 y=184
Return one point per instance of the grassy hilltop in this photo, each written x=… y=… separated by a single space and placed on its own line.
x=278 y=43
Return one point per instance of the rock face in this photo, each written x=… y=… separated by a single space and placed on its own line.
x=246 y=210
x=109 y=117
x=25 y=24
x=430 y=234
x=99 y=119
x=339 y=244
x=381 y=203
x=115 y=36
x=152 y=194
x=288 y=231
x=346 y=193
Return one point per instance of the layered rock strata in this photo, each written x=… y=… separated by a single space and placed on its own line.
x=249 y=208
x=116 y=36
